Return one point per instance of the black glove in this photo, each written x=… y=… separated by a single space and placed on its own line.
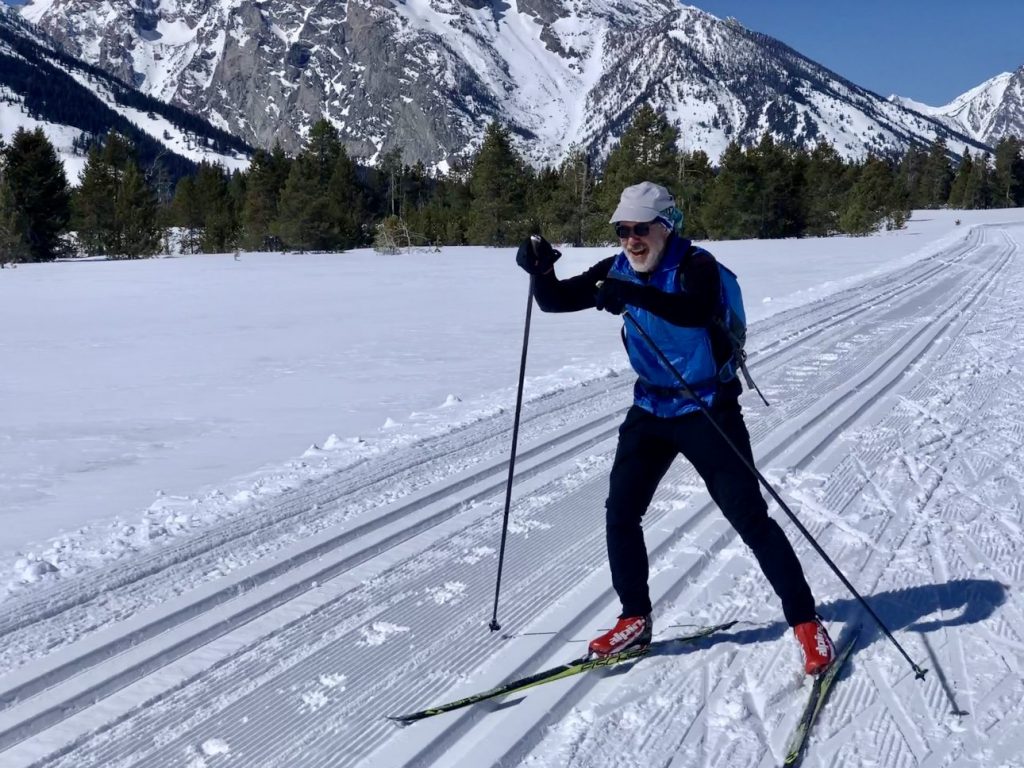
x=536 y=255
x=613 y=295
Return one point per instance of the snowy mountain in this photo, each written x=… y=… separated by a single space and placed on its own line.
x=988 y=112
x=42 y=86
x=428 y=75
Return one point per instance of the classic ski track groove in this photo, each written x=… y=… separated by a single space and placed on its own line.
x=304 y=507
x=322 y=620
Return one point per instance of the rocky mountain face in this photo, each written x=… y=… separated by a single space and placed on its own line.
x=992 y=111
x=428 y=75
x=75 y=103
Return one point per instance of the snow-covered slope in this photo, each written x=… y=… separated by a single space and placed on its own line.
x=281 y=634
x=72 y=101
x=989 y=112
x=428 y=75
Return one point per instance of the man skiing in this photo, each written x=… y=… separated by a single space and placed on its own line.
x=674 y=292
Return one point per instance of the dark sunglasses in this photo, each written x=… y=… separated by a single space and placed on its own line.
x=624 y=232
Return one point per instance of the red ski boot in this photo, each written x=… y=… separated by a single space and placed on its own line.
x=627 y=633
x=817 y=646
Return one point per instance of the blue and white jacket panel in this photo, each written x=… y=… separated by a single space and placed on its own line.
x=657 y=389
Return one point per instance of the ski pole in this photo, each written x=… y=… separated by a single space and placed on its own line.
x=512 y=457
x=918 y=671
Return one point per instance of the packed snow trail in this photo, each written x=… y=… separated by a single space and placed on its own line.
x=893 y=432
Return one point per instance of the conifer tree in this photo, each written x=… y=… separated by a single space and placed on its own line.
x=216 y=207
x=99 y=216
x=188 y=214
x=94 y=204
x=136 y=210
x=825 y=190
x=875 y=199
x=694 y=179
x=937 y=177
x=11 y=246
x=571 y=213
x=978 y=187
x=322 y=149
x=959 y=187
x=1008 y=176
x=497 y=185
x=779 y=193
x=389 y=182
x=36 y=198
x=267 y=175
x=347 y=201
x=305 y=220
x=911 y=175
x=731 y=209
x=646 y=152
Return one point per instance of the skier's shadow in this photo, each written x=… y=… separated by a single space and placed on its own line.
x=922 y=609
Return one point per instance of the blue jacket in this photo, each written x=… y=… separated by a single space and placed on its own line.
x=689 y=348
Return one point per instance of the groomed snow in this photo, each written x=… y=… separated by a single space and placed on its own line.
x=329 y=433
x=175 y=383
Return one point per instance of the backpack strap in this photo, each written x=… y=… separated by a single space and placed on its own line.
x=739 y=355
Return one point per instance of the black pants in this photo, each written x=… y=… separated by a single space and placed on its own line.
x=647 y=446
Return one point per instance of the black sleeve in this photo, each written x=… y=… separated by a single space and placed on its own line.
x=696 y=304
x=573 y=293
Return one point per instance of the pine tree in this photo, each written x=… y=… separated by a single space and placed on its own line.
x=305 y=220
x=36 y=198
x=217 y=209
x=694 y=179
x=94 y=204
x=188 y=214
x=964 y=172
x=267 y=176
x=497 y=184
x=136 y=210
x=389 y=182
x=825 y=190
x=347 y=203
x=322 y=149
x=779 y=194
x=12 y=248
x=978 y=187
x=571 y=213
x=646 y=152
x=731 y=211
x=1008 y=177
x=911 y=175
x=875 y=199
x=937 y=176
x=102 y=218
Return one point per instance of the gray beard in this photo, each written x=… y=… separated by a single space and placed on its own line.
x=649 y=266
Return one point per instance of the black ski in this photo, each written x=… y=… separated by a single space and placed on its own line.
x=822 y=687
x=557 y=673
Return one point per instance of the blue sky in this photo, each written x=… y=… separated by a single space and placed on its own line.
x=928 y=50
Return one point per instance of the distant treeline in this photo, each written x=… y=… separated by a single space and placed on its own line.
x=322 y=199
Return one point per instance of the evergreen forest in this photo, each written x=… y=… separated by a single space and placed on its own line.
x=323 y=200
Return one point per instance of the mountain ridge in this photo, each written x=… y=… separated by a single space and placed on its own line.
x=989 y=112
x=75 y=103
x=427 y=76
